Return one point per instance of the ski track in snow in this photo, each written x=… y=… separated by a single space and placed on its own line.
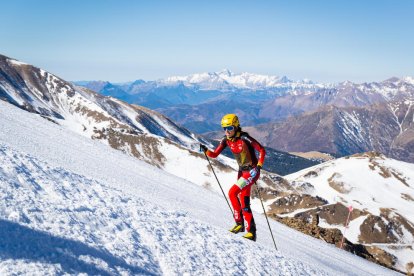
x=90 y=209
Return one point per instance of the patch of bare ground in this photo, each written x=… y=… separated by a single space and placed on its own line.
x=397 y=222
x=370 y=154
x=400 y=178
x=310 y=174
x=127 y=141
x=97 y=116
x=338 y=186
x=301 y=187
x=409 y=267
x=315 y=172
x=266 y=193
x=288 y=203
x=275 y=181
x=407 y=197
x=336 y=214
x=382 y=257
x=312 y=155
x=375 y=229
x=387 y=172
x=389 y=227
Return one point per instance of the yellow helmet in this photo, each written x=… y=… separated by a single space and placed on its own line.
x=230 y=120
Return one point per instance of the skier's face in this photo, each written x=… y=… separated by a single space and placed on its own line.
x=229 y=131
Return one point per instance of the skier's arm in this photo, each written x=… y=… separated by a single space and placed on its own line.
x=257 y=146
x=218 y=150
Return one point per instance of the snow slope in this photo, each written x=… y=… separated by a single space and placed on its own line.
x=73 y=205
x=376 y=190
x=376 y=185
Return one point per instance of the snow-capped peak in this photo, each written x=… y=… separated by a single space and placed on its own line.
x=16 y=62
x=409 y=80
x=226 y=79
x=225 y=72
x=346 y=83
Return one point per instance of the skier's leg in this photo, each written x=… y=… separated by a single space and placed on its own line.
x=234 y=199
x=247 y=212
x=245 y=205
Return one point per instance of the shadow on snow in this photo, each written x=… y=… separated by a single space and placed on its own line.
x=20 y=242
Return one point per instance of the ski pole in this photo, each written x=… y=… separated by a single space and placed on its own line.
x=219 y=183
x=264 y=211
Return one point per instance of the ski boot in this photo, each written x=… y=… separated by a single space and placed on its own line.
x=250 y=236
x=239 y=227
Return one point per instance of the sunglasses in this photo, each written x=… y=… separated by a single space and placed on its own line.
x=228 y=128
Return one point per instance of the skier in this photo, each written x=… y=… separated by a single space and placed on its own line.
x=243 y=147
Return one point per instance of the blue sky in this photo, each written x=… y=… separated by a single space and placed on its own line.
x=326 y=41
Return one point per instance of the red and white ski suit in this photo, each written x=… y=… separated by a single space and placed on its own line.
x=243 y=147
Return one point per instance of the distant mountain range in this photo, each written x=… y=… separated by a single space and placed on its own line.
x=198 y=101
x=340 y=119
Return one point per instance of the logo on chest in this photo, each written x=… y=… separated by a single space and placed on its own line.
x=236 y=147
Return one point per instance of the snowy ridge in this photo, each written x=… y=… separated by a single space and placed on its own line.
x=91 y=209
x=80 y=109
x=378 y=187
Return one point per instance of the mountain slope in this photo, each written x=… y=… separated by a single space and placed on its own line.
x=383 y=127
x=87 y=112
x=82 y=207
x=381 y=192
x=137 y=131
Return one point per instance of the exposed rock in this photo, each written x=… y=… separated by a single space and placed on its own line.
x=334 y=236
x=382 y=257
x=335 y=214
x=291 y=202
x=409 y=268
x=407 y=197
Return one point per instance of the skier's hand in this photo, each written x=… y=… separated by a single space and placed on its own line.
x=253 y=172
x=203 y=148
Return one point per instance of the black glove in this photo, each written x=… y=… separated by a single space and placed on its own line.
x=203 y=148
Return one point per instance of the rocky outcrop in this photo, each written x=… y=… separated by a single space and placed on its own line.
x=305 y=213
x=334 y=236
